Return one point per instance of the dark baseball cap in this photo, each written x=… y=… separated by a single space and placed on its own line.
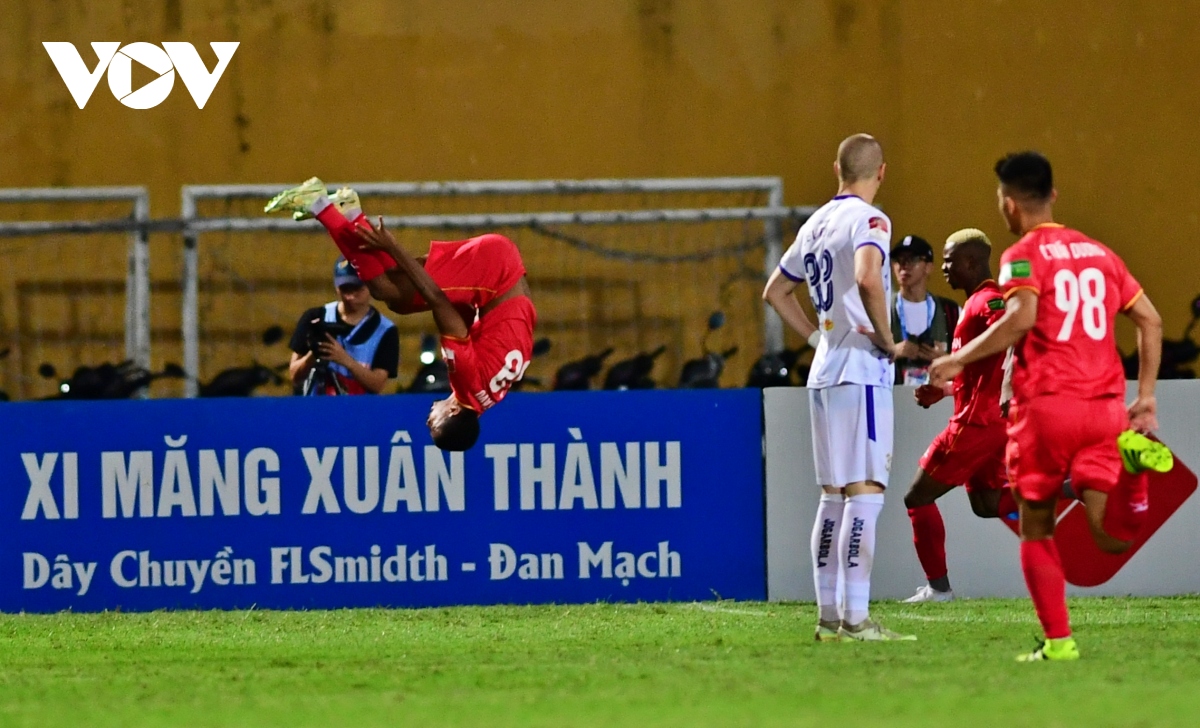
x=915 y=246
x=344 y=274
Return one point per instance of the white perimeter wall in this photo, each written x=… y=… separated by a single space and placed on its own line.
x=982 y=554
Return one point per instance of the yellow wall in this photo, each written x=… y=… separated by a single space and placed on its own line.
x=449 y=89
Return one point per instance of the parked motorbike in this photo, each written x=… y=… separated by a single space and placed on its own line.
x=577 y=375
x=107 y=381
x=242 y=381
x=777 y=369
x=634 y=372
x=705 y=372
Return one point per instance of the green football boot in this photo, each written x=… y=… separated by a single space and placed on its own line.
x=1140 y=453
x=345 y=199
x=1049 y=650
x=297 y=199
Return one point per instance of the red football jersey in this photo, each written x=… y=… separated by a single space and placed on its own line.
x=473 y=272
x=495 y=354
x=977 y=388
x=1081 y=286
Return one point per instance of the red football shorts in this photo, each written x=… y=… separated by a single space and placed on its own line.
x=971 y=455
x=1052 y=437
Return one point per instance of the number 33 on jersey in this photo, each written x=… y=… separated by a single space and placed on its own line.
x=1081 y=287
x=822 y=257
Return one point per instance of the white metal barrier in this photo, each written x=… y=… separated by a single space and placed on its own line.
x=137 y=283
x=983 y=555
x=771 y=215
x=768 y=211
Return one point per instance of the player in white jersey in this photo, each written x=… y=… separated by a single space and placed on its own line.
x=841 y=252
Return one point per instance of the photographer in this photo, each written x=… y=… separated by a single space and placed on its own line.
x=922 y=323
x=345 y=346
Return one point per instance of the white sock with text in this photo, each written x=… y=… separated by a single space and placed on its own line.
x=856 y=553
x=826 y=532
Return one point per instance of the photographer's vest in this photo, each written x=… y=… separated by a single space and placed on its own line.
x=943 y=321
x=361 y=344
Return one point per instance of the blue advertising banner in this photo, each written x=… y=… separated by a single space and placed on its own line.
x=344 y=502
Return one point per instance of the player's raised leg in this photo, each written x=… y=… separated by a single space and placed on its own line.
x=1107 y=474
x=339 y=214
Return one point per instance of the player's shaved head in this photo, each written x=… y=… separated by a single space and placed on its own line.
x=859 y=158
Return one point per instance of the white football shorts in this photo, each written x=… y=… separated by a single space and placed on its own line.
x=852 y=434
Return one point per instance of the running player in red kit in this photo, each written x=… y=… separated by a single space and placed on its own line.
x=970 y=451
x=1063 y=293
x=475 y=288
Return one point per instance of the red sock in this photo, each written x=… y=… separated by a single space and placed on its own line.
x=367 y=263
x=1007 y=507
x=385 y=260
x=1127 y=506
x=929 y=536
x=1044 y=576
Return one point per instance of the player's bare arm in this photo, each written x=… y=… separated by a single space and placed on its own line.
x=405 y=291
x=1143 y=413
x=445 y=315
x=394 y=288
x=779 y=293
x=1019 y=318
x=868 y=262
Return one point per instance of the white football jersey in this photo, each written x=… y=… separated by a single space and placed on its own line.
x=823 y=257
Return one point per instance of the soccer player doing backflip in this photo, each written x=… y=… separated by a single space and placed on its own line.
x=841 y=254
x=970 y=451
x=1068 y=417
x=475 y=288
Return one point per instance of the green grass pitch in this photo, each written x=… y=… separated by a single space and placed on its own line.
x=718 y=664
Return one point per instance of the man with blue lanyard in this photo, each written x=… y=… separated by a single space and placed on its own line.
x=922 y=323
x=345 y=346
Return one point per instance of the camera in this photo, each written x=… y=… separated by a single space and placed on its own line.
x=319 y=328
x=319 y=377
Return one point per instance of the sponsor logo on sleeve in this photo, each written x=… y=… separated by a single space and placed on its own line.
x=878 y=223
x=995 y=304
x=1015 y=269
